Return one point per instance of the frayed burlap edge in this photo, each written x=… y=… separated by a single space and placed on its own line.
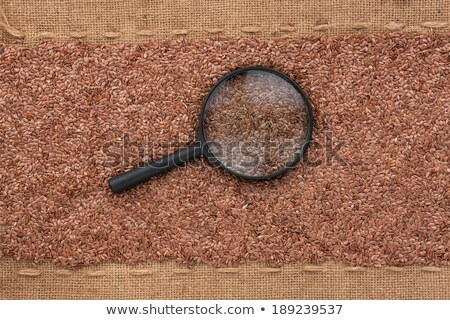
x=134 y=21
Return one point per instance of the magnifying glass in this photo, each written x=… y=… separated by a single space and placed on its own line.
x=255 y=123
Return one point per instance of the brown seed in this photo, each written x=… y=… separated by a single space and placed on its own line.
x=372 y=191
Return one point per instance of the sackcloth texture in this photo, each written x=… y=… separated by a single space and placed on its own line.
x=138 y=20
x=30 y=22
x=23 y=280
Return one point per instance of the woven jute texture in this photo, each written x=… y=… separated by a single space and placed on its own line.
x=31 y=21
x=251 y=281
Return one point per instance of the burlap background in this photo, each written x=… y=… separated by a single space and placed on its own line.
x=251 y=281
x=30 y=21
x=137 y=20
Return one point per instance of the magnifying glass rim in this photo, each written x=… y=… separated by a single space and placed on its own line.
x=298 y=155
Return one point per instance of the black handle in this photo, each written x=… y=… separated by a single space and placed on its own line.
x=133 y=177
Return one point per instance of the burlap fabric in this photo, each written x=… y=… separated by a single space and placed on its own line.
x=251 y=281
x=137 y=20
x=134 y=21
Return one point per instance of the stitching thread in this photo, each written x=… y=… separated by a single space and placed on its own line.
x=251 y=29
x=146 y=272
x=270 y=270
x=141 y=272
x=391 y=26
x=322 y=27
x=394 y=26
x=228 y=270
x=179 y=32
x=29 y=272
x=214 y=30
x=360 y=25
x=431 y=269
x=46 y=34
x=111 y=34
x=7 y=27
x=145 y=32
x=287 y=28
x=78 y=34
x=312 y=268
x=395 y=269
x=98 y=273
x=355 y=269
x=434 y=24
x=63 y=272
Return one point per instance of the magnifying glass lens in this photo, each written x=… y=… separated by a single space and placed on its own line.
x=255 y=123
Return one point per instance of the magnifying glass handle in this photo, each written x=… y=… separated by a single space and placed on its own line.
x=136 y=176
